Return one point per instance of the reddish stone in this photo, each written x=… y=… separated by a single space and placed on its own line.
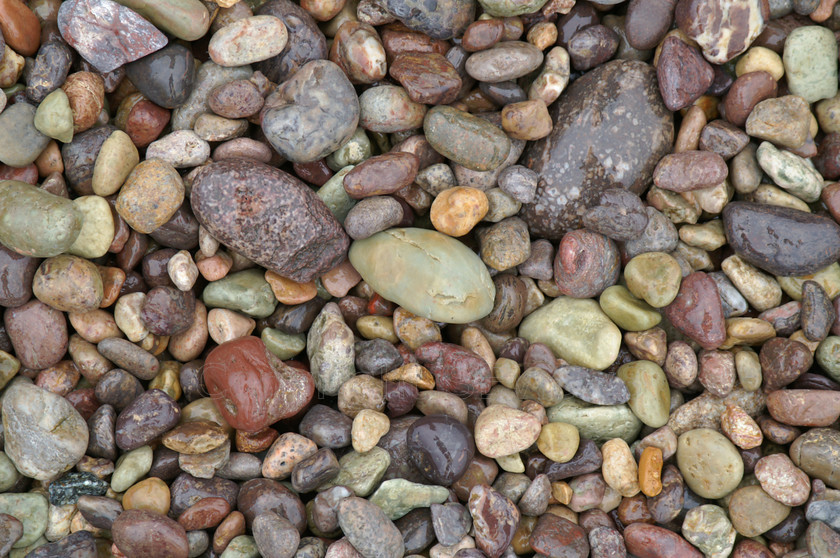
x=427 y=78
x=650 y=541
x=316 y=172
x=782 y=361
x=84 y=401
x=482 y=34
x=251 y=387
x=456 y=369
x=143 y=121
x=381 y=175
x=557 y=536
x=804 y=407
x=748 y=548
x=495 y=519
x=204 y=514
x=697 y=311
x=398 y=39
x=481 y=470
x=28 y=174
x=746 y=92
x=145 y=533
x=20 y=27
x=255 y=442
x=683 y=74
x=585 y=264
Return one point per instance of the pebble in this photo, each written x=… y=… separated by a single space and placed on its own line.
x=31 y=511
x=275 y=536
x=650 y=398
x=229 y=216
x=44 y=435
x=585 y=264
x=571 y=182
x=708 y=528
x=709 y=463
x=248 y=40
x=495 y=518
x=790 y=172
x=397 y=497
x=457 y=210
x=139 y=532
x=596 y=422
x=368 y=529
x=682 y=72
x=557 y=536
x=810 y=60
x=753 y=512
x=804 y=407
x=782 y=480
x=440 y=447
x=54 y=117
x=651 y=541
x=480 y=145
x=492 y=429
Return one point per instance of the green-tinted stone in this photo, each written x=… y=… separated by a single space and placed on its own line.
x=791 y=172
x=577 y=330
x=650 y=396
x=427 y=273
x=131 y=467
x=246 y=291
x=335 y=196
x=34 y=222
x=8 y=474
x=22 y=147
x=397 y=497
x=361 y=472
x=466 y=139
x=754 y=512
x=9 y=366
x=828 y=356
x=627 y=311
x=23 y=552
x=31 y=509
x=186 y=19
x=97 y=232
x=598 y=423
x=828 y=278
x=54 y=117
x=654 y=277
x=810 y=59
x=242 y=546
x=329 y=346
x=708 y=528
x=357 y=149
x=709 y=462
x=510 y=8
x=283 y=345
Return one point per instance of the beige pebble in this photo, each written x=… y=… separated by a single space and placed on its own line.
x=187 y=345
x=94 y=325
x=501 y=431
x=740 y=427
x=619 y=468
x=474 y=340
x=511 y=463
x=225 y=325
x=411 y=373
x=127 y=316
x=368 y=427
x=761 y=290
x=182 y=270
x=116 y=159
x=214 y=267
x=339 y=280
x=413 y=330
x=206 y=243
x=760 y=59
x=506 y=371
x=290 y=292
x=457 y=210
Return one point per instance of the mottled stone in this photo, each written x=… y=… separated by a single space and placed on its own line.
x=495 y=518
x=713 y=26
x=368 y=529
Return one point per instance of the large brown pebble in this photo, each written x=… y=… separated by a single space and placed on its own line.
x=456 y=369
x=495 y=518
x=235 y=99
x=187 y=490
x=585 y=264
x=86 y=93
x=19 y=27
x=682 y=73
x=782 y=361
x=746 y=92
x=260 y=495
x=16 y=273
x=428 y=78
x=38 y=334
x=697 y=311
x=151 y=194
x=144 y=533
x=68 y=283
x=168 y=311
x=804 y=407
x=558 y=537
x=146 y=418
x=288 y=230
x=651 y=541
x=690 y=170
x=381 y=175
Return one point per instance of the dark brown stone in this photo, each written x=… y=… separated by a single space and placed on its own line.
x=428 y=78
x=746 y=92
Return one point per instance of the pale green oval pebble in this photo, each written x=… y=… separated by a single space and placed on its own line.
x=598 y=423
x=627 y=311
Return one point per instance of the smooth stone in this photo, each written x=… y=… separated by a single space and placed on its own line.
x=627 y=311
x=330 y=348
x=246 y=291
x=36 y=223
x=708 y=528
x=754 y=512
x=554 y=535
x=466 y=139
x=654 y=277
x=31 y=510
x=141 y=532
x=815 y=453
x=306 y=42
x=361 y=472
x=151 y=194
x=577 y=330
x=397 y=497
x=242 y=546
x=713 y=26
x=275 y=536
x=781 y=240
x=146 y=418
x=598 y=423
x=697 y=311
x=495 y=518
x=621 y=100
x=24 y=146
x=248 y=40
x=598 y=388
x=790 y=172
x=209 y=76
x=165 y=77
x=290 y=215
x=504 y=61
x=709 y=462
x=188 y=20
x=810 y=59
x=44 y=434
x=97 y=232
x=115 y=37
x=651 y=541
x=650 y=396
x=368 y=529
x=448 y=18
x=54 y=117
x=445 y=281
x=440 y=447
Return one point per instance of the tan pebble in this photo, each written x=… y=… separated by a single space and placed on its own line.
x=740 y=427
x=206 y=243
x=761 y=290
x=457 y=210
x=542 y=35
x=49 y=161
x=168 y=379
x=189 y=344
x=553 y=78
x=377 y=327
x=368 y=427
x=127 y=316
x=151 y=494
x=412 y=373
x=182 y=270
x=562 y=492
x=214 y=267
x=511 y=463
x=339 y=280
x=116 y=159
x=413 y=330
x=500 y=431
x=506 y=371
x=558 y=441
x=651 y=344
x=474 y=340
x=152 y=193
x=225 y=325
x=86 y=93
x=94 y=325
x=760 y=59
x=154 y=344
x=527 y=120
x=288 y=291
x=619 y=468
x=59 y=519
x=650 y=471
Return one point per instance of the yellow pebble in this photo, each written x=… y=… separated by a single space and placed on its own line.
x=760 y=59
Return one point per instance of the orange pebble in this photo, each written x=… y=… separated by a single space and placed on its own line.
x=650 y=471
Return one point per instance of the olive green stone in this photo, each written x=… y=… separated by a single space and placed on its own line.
x=246 y=291
x=9 y=366
x=577 y=330
x=335 y=196
x=397 y=497
x=131 y=467
x=627 y=311
x=54 y=117
x=242 y=546
x=97 y=232
x=510 y=8
x=428 y=273
x=791 y=172
x=708 y=528
x=24 y=551
x=754 y=512
x=810 y=59
x=827 y=277
x=466 y=139
x=283 y=345
x=22 y=147
x=709 y=462
x=31 y=509
x=361 y=472
x=650 y=396
x=815 y=452
x=828 y=356
x=186 y=19
x=355 y=150
x=654 y=277
x=34 y=222
x=598 y=423
x=116 y=159
x=8 y=474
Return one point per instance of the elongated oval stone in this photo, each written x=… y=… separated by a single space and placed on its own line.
x=427 y=273
x=186 y=19
x=577 y=330
x=34 y=222
x=781 y=240
x=468 y=140
x=268 y=216
x=610 y=129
